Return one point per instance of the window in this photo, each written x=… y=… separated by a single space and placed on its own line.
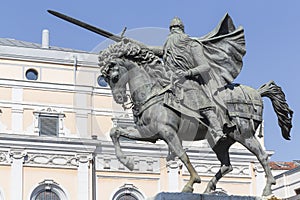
x=128 y=192
x=48 y=125
x=101 y=82
x=49 y=122
x=31 y=74
x=297 y=191
x=48 y=190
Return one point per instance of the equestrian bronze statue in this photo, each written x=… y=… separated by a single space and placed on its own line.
x=167 y=101
x=184 y=91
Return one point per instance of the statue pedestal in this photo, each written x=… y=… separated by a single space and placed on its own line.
x=193 y=196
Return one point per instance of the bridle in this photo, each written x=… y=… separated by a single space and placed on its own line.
x=128 y=105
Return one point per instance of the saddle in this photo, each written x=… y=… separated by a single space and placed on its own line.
x=241 y=102
x=173 y=102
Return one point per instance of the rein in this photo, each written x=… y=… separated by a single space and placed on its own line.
x=129 y=105
x=152 y=99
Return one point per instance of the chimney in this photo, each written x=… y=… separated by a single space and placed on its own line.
x=45 y=39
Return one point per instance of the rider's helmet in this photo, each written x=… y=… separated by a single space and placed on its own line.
x=176 y=22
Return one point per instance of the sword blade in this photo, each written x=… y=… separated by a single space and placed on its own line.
x=89 y=27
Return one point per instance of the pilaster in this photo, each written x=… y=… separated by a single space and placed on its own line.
x=83 y=161
x=17 y=159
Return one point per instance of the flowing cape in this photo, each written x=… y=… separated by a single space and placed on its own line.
x=224 y=48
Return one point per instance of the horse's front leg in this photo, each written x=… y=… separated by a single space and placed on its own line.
x=130 y=133
x=115 y=134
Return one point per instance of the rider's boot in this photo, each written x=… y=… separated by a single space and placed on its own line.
x=216 y=129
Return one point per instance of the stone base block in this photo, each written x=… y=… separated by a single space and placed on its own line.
x=193 y=196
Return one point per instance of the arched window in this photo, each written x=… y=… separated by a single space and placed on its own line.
x=48 y=190
x=128 y=192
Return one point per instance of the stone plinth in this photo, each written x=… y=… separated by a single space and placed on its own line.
x=192 y=196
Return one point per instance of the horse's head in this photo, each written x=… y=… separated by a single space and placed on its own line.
x=116 y=75
x=125 y=62
x=114 y=63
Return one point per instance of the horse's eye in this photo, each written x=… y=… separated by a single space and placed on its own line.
x=112 y=65
x=115 y=79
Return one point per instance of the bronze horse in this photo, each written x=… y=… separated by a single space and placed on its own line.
x=149 y=84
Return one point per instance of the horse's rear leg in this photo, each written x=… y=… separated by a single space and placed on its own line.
x=223 y=156
x=254 y=146
x=174 y=143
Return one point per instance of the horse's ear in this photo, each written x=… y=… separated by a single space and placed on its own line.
x=104 y=71
x=125 y=40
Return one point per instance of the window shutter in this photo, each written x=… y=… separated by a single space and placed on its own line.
x=47 y=195
x=48 y=125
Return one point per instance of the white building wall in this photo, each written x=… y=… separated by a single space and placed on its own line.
x=287 y=183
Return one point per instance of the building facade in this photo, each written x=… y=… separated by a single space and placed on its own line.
x=55 y=117
x=287 y=175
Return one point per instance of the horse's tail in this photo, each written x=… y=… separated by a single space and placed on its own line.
x=281 y=108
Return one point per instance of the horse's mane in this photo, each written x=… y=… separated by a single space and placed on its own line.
x=144 y=57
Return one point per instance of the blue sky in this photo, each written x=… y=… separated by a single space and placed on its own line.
x=271 y=29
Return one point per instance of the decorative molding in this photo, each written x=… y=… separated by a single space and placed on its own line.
x=149 y=161
x=4 y=158
x=136 y=177
x=212 y=168
x=141 y=164
x=107 y=161
x=17 y=154
x=83 y=158
x=57 y=87
x=174 y=164
x=51 y=160
x=258 y=168
x=66 y=108
x=52 y=56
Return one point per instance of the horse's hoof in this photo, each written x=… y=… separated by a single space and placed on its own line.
x=188 y=188
x=207 y=191
x=267 y=193
x=271 y=196
x=210 y=187
x=197 y=179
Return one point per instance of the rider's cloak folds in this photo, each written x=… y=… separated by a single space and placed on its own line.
x=224 y=48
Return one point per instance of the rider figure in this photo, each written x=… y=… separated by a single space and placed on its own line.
x=184 y=56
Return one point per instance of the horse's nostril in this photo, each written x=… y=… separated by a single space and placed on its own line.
x=125 y=99
x=119 y=98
